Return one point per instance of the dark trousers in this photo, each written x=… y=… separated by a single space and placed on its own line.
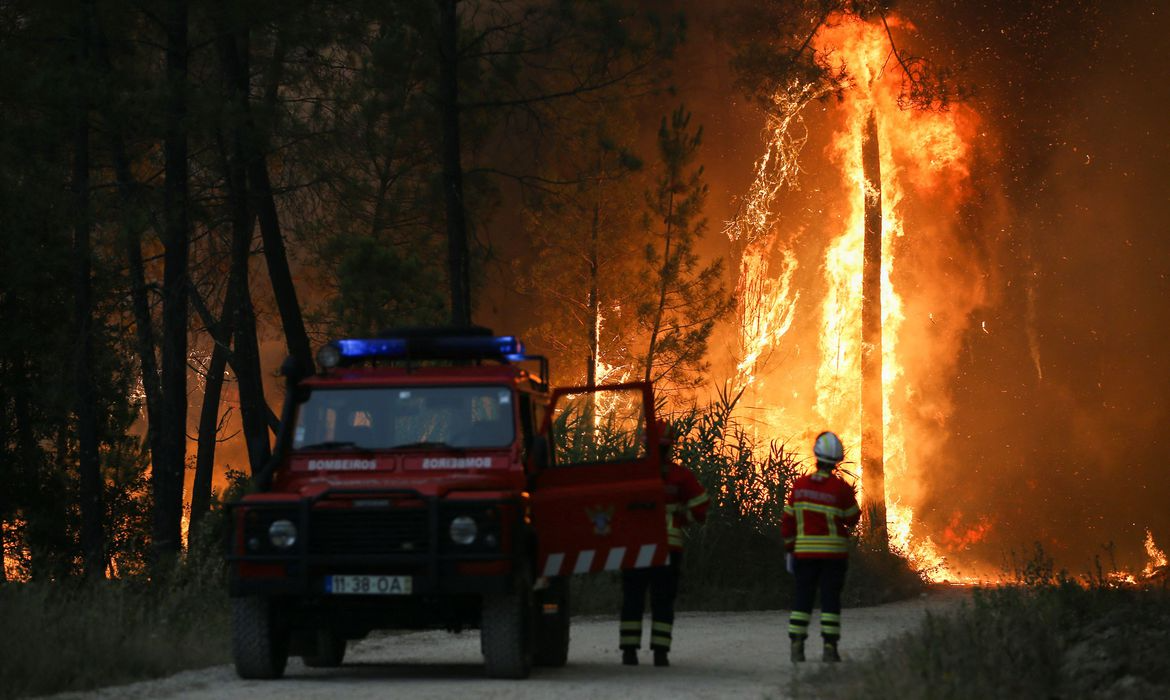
x=662 y=581
x=827 y=576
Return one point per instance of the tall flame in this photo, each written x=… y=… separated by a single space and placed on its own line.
x=1157 y=556
x=926 y=304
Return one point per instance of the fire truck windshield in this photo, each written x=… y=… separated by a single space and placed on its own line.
x=387 y=418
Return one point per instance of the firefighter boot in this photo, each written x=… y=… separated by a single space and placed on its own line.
x=831 y=656
x=661 y=657
x=629 y=657
x=797 y=649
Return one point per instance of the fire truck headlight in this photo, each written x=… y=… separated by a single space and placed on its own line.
x=463 y=530
x=282 y=534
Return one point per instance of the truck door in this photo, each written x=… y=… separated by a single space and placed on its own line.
x=600 y=502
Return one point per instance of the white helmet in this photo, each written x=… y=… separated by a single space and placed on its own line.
x=828 y=448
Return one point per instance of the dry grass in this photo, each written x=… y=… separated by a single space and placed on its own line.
x=73 y=636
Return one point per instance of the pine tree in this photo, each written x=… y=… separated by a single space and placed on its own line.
x=685 y=297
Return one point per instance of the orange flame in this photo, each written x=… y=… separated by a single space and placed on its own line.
x=1157 y=557
x=13 y=551
x=954 y=536
x=924 y=166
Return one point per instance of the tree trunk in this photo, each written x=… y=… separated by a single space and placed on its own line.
x=664 y=277
x=3 y=551
x=594 y=299
x=139 y=302
x=242 y=168
x=168 y=467
x=263 y=204
x=208 y=437
x=28 y=459
x=93 y=545
x=136 y=269
x=872 y=413
x=276 y=257
x=254 y=409
x=458 y=251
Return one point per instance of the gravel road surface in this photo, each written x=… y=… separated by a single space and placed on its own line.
x=716 y=655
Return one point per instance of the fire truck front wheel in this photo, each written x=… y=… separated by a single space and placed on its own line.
x=259 y=639
x=506 y=630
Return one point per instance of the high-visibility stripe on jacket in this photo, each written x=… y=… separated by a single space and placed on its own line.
x=820 y=514
x=686 y=502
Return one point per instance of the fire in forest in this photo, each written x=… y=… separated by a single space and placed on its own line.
x=901 y=180
x=810 y=283
x=1157 y=563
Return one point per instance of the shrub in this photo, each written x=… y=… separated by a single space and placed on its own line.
x=74 y=635
x=736 y=560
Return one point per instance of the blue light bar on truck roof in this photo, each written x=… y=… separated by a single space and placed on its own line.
x=453 y=347
x=361 y=348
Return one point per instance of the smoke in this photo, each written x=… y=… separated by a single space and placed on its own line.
x=1060 y=408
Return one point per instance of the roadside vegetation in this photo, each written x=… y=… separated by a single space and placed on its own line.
x=79 y=636
x=1047 y=635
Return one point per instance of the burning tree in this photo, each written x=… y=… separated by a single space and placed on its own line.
x=581 y=234
x=846 y=49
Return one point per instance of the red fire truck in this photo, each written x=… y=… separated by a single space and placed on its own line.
x=431 y=479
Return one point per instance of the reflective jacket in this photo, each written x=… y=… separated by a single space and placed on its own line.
x=686 y=503
x=819 y=516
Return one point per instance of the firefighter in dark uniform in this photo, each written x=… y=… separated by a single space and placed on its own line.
x=686 y=503
x=818 y=519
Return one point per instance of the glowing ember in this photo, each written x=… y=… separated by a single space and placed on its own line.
x=14 y=555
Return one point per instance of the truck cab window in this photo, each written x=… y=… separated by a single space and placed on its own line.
x=399 y=417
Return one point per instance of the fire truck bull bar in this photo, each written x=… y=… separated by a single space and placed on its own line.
x=435 y=570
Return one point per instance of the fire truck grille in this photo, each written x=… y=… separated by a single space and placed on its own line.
x=354 y=531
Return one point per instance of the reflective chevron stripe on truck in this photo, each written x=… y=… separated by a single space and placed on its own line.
x=591 y=560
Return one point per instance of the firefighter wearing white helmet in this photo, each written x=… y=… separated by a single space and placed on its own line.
x=819 y=516
x=828 y=448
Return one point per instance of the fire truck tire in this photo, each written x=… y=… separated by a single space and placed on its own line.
x=328 y=652
x=259 y=645
x=552 y=624
x=506 y=630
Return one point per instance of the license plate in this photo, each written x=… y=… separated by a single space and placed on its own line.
x=368 y=585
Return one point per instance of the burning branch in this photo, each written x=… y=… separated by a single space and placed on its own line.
x=925 y=86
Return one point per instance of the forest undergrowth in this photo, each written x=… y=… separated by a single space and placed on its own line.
x=1045 y=634
x=76 y=636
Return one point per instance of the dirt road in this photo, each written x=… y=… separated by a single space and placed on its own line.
x=716 y=655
